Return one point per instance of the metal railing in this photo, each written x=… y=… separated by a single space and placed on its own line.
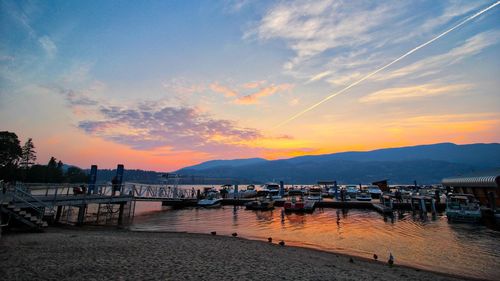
x=20 y=195
x=159 y=191
x=53 y=192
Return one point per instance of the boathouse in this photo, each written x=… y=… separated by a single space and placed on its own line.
x=484 y=185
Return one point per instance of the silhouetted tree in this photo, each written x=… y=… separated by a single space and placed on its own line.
x=37 y=173
x=10 y=153
x=75 y=174
x=10 y=149
x=54 y=171
x=28 y=154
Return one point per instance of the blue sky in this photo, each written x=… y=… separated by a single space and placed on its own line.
x=169 y=83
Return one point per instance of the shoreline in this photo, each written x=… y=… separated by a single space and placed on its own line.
x=347 y=256
x=224 y=255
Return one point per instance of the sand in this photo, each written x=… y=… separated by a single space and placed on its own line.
x=110 y=254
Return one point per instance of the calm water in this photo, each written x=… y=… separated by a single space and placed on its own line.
x=464 y=249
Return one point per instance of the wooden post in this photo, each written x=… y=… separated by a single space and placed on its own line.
x=120 y=214
x=58 y=214
x=98 y=213
x=81 y=214
x=422 y=205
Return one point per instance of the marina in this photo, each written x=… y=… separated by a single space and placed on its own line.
x=362 y=222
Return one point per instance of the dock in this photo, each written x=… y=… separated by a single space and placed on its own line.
x=40 y=205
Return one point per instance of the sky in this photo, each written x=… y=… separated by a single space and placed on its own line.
x=160 y=85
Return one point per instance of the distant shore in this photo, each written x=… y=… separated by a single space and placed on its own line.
x=111 y=254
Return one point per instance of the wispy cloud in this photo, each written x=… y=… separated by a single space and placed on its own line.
x=264 y=92
x=413 y=92
x=22 y=17
x=338 y=41
x=48 y=45
x=226 y=91
x=310 y=28
x=254 y=84
x=434 y=64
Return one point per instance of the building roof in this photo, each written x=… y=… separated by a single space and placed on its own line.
x=489 y=178
x=380 y=182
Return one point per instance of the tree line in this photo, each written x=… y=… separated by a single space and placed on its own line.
x=18 y=163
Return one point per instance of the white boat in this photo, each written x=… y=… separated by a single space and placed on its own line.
x=363 y=196
x=462 y=207
x=272 y=189
x=314 y=194
x=211 y=201
x=352 y=190
x=331 y=191
x=374 y=191
x=248 y=193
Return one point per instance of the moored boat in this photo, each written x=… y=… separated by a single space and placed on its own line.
x=212 y=200
x=261 y=204
x=315 y=193
x=294 y=205
x=363 y=196
x=462 y=208
x=352 y=190
x=374 y=191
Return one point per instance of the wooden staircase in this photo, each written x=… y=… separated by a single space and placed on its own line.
x=25 y=216
x=31 y=213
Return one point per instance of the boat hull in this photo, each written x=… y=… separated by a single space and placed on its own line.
x=210 y=203
x=463 y=216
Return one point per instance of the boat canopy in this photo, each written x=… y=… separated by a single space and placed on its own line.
x=489 y=179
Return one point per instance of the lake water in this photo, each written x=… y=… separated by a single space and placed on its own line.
x=464 y=249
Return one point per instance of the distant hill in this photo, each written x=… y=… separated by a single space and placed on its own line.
x=424 y=163
x=227 y=163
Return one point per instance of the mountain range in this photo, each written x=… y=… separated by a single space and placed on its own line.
x=425 y=164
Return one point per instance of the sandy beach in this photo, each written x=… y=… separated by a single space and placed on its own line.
x=110 y=254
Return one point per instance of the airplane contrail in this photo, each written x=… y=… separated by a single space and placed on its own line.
x=387 y=65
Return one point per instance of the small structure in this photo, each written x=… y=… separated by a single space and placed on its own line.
x=382 y=184
x=484 y=185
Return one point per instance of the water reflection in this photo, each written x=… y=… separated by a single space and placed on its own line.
x=471 y=250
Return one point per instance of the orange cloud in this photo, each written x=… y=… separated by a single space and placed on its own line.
x=227 y=92
x=267 y=91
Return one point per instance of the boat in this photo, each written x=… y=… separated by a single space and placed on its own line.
x=374 y=191
x=298 y=205
x=272 y=189
x=248 y=193
x=462 y=208
x=314 y=193
x=352 y=190
x=363 y=196
x=332 y=191
x=261 y=204
x=212 y=200
x=295 y=192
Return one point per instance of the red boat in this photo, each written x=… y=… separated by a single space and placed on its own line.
x=294 y=205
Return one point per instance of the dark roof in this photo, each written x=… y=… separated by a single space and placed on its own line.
x=326 y=182
x=380 y=182
x=489 y=178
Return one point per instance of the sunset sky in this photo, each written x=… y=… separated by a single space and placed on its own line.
x=165 y=84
